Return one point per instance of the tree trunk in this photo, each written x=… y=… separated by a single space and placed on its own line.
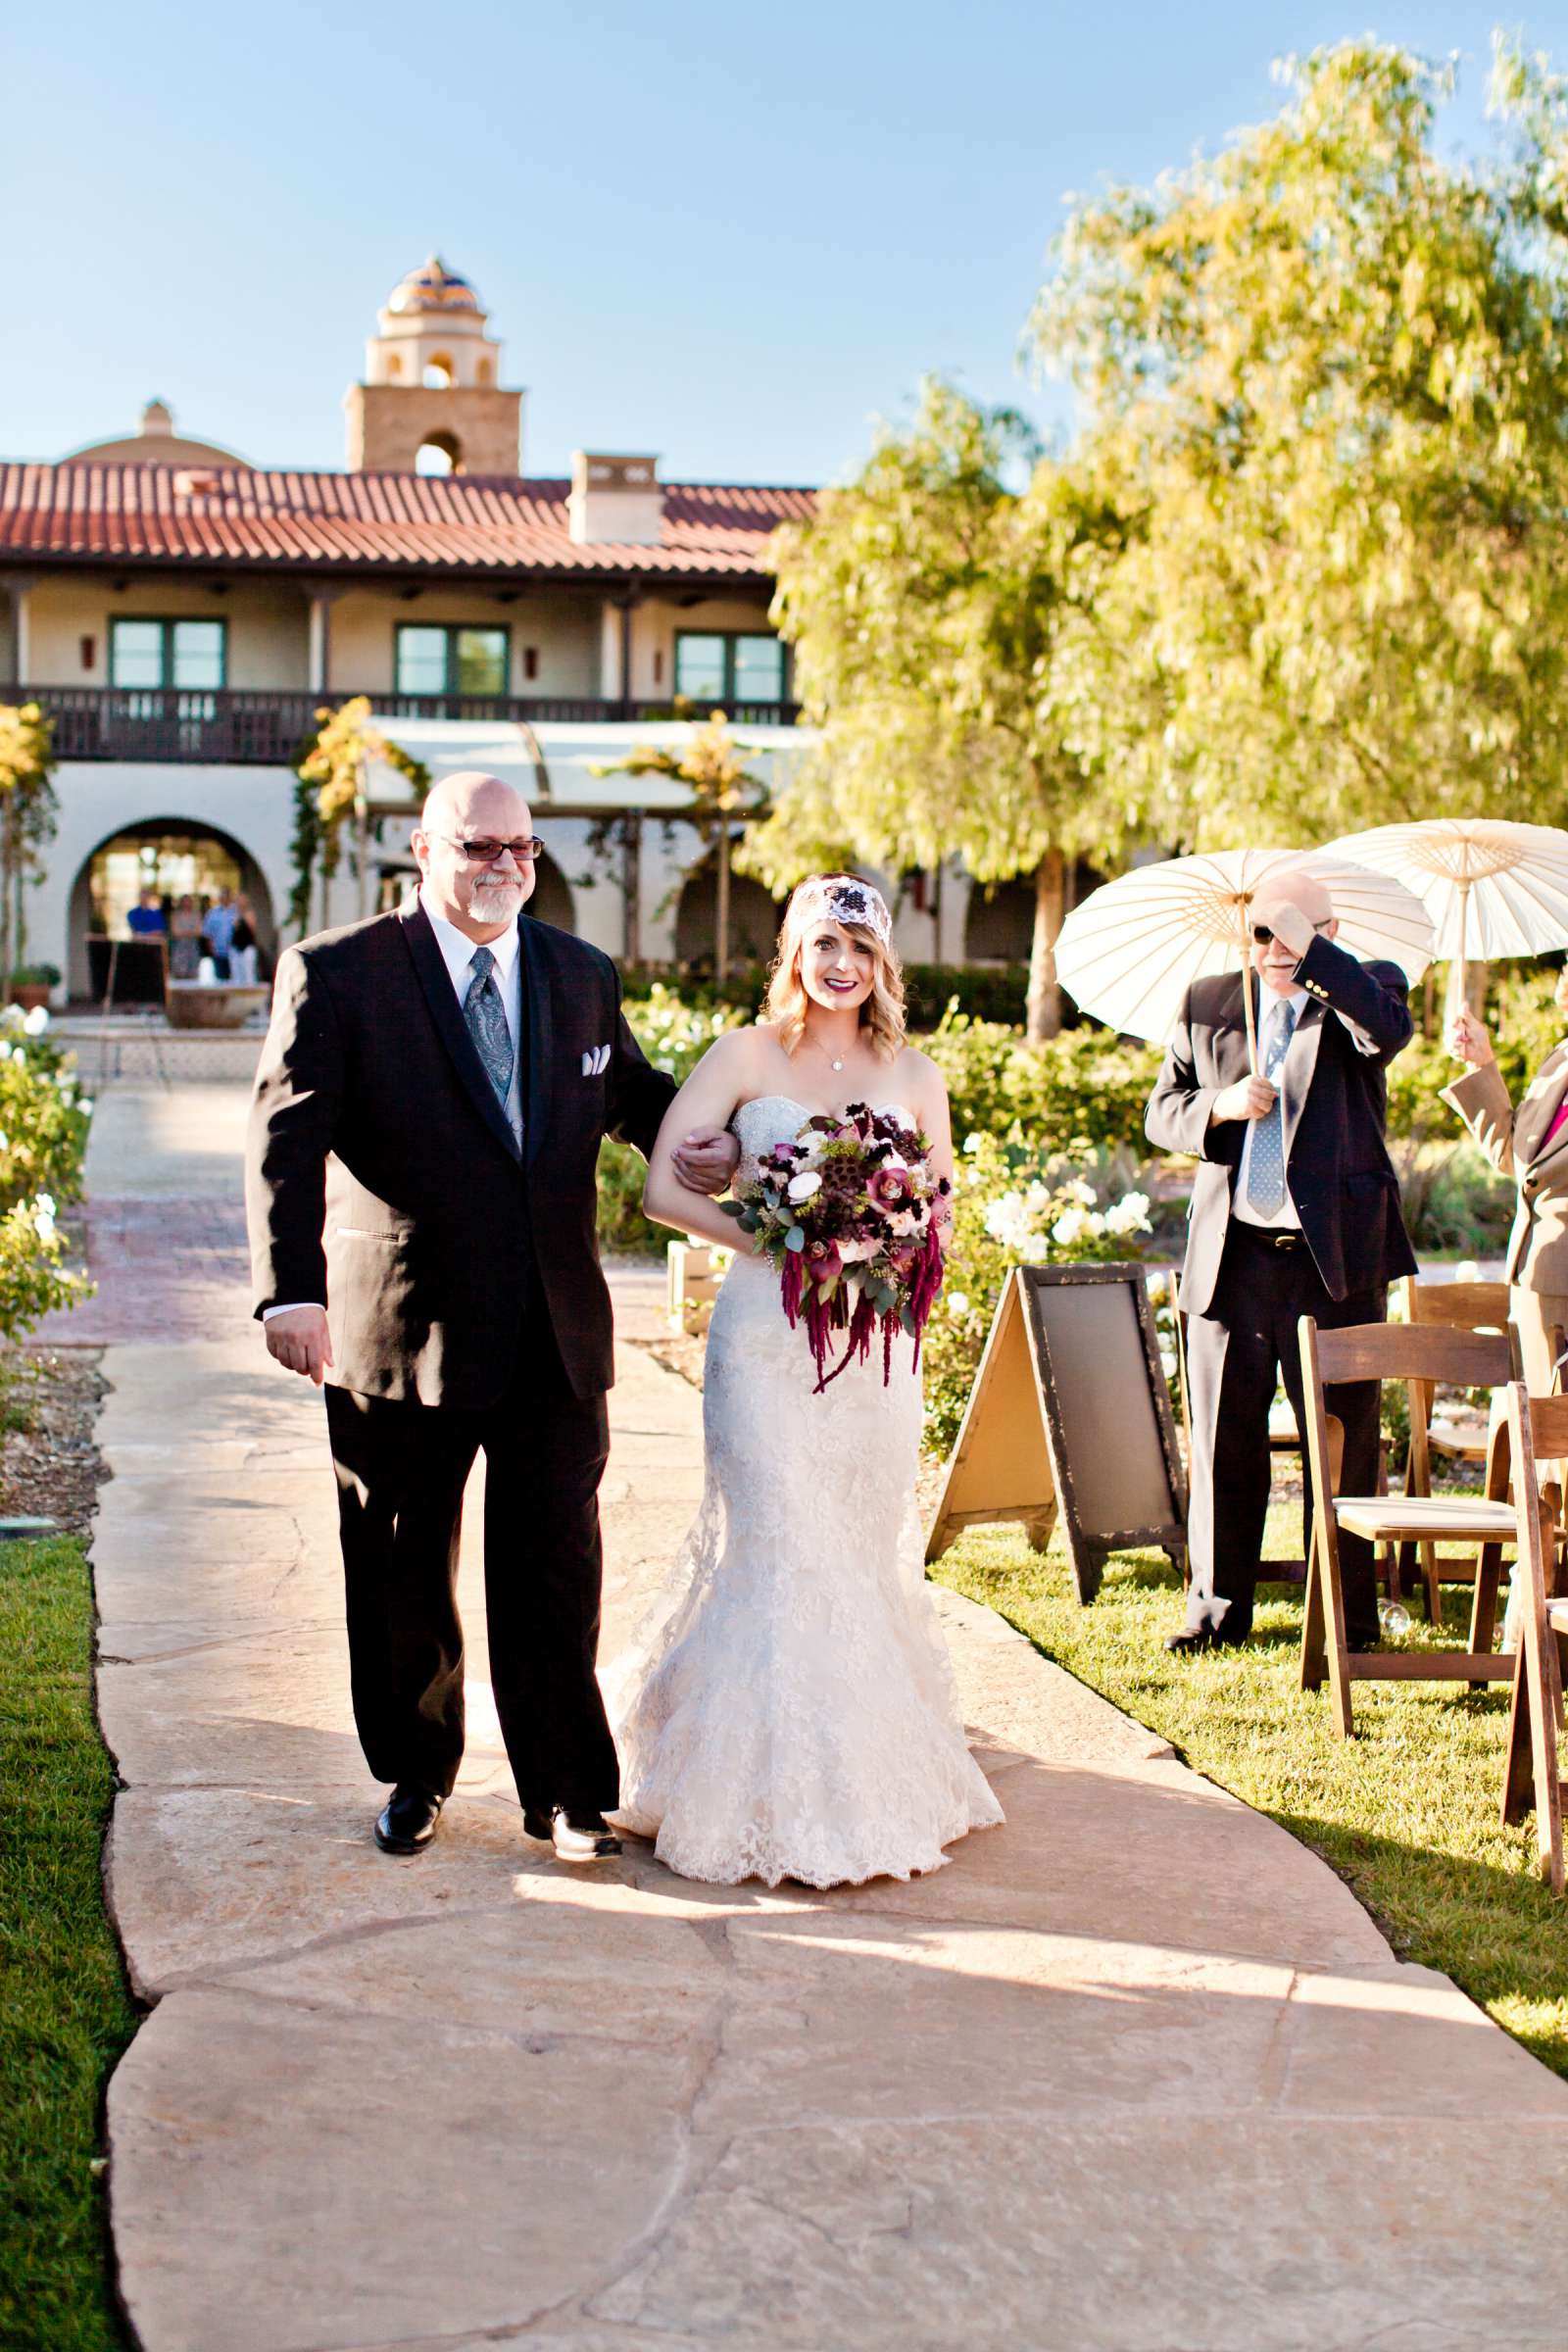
x=631 y=884
x=1043 y=1019
x=721 y=909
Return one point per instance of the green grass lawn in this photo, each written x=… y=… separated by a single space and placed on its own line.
x=65 y=2015
x=1406 y=1811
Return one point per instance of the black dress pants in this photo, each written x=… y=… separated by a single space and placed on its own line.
x=1235 y=1355
x=401 y=1470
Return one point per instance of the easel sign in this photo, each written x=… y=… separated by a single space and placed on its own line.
x=1070 y=1413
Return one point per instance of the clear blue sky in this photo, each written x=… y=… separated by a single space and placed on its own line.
x=731 y=234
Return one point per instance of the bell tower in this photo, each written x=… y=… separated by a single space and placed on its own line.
x=431 y=401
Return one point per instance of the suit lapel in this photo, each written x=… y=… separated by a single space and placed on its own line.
x=1539 y=1108
x=1300 y=1065
x=453 y=1030
x=537 y=1013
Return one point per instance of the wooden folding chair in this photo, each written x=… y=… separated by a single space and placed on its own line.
x=1538 y=1432
x=1449 y=1307
x=1378 y=1351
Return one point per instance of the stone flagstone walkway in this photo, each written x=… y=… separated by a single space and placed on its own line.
x=1133 y=2073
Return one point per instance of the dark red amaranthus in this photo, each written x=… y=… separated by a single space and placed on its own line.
x=825 y=1316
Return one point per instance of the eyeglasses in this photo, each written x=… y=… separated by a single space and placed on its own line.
x=486 y=850
x=1263 y=935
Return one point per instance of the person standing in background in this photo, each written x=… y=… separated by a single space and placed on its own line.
x=185 y=945
x=242 y=947
x=1296 y=1211
x=146 y=918
x=1530 y=1145
x=218 y=930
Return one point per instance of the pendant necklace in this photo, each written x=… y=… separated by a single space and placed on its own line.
x=834 y=1063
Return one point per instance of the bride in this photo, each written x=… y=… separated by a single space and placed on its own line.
x=788 y=1711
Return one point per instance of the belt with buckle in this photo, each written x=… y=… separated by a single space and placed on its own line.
x=1273 y=1236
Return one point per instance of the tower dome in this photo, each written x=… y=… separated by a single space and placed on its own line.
x=432 y=400
x=433 y=287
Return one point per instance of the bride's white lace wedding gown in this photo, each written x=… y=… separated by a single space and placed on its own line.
x=787 y=1710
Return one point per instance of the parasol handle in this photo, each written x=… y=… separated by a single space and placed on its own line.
x=1246 y=986
x=1463 y=1002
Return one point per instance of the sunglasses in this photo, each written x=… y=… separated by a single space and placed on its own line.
x=1263 y=935
x=485 y=850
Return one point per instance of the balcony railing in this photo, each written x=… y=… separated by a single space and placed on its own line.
x=233 y=729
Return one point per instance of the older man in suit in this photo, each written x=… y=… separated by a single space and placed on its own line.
x=421 y=1185
x=1530 y=1145
x=1296 y=1211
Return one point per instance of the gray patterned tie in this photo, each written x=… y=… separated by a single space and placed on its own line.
x=1265 y=1172
x=486 y=1017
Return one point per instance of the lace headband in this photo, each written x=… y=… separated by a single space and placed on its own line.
x=845 y=900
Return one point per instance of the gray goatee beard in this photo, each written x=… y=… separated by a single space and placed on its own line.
x=496 y=901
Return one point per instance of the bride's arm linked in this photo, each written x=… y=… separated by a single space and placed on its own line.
x=708 y=1099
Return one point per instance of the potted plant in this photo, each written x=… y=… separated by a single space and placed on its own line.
x=29 y=984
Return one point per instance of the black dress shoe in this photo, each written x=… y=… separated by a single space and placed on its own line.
x=577 y=1834
x=408 y=1824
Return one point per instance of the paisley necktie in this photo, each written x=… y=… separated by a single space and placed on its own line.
x=486 y=1017
x=1265 y=1173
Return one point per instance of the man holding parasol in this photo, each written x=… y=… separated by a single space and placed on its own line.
x=1275 y=1084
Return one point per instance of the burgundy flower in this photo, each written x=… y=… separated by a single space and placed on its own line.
x=822 y=1261
x=890 y=1187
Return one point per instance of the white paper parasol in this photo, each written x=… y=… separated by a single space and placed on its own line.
x=1130 y=953
x=1492 y=887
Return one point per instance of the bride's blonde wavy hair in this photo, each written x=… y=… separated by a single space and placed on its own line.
x=882 y=1015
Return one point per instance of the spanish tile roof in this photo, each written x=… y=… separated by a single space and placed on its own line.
x=367 y=521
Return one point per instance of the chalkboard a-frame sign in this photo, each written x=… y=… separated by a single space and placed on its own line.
x=1070 y=1413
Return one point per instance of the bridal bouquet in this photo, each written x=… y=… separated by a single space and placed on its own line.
x=847 y=1215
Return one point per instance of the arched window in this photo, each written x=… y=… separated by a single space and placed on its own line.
x=394 y=365
x=484 y=373
x=439 y=453
x=439 y=373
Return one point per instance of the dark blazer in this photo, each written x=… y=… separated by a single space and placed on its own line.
x=384 y=1181
x=1335 y=1105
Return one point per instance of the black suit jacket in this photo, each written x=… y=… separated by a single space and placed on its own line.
x=384 y=1181
x=1334 y=1104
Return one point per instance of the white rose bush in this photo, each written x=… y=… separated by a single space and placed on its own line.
x=44 y=1119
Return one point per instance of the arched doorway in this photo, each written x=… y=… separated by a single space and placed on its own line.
x=552 y=900
x=754 y=918
x=177 y=857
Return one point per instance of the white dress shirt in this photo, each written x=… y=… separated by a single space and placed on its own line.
x=1286 y=1218
x=456 y=952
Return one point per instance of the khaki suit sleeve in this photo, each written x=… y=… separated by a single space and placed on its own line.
x=1482 y=1101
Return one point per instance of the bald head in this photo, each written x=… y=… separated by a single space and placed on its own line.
x=482 y=896
x=1291 y=906
x=1295 y=888
x=472 y=804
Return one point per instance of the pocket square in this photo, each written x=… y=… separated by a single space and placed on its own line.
x=596 y=1061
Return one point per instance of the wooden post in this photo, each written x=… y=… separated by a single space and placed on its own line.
x=631 y=884
x=721 y=909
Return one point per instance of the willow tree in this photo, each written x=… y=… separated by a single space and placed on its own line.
x=711 y=765
x=925 y=602
x=1327 y=370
